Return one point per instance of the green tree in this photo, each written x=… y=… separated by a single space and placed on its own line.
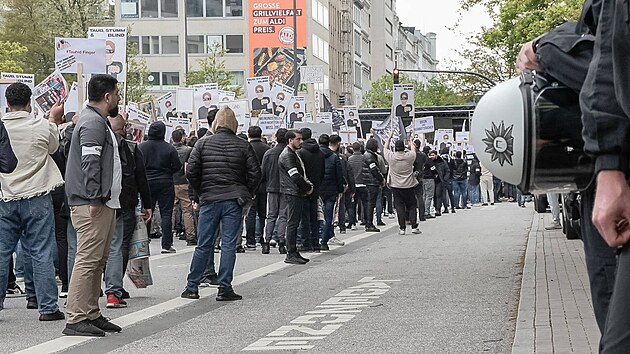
x=212 y=70
x=12 y=57
x=137 y=75
x=436 y=93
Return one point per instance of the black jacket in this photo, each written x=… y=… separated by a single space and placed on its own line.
x=183 y=152
x=332 y=183
x=444 y=172
x=260 y=148
x=292 y=175
x=475 y=173
x=270 y=170
x=460 y=169
x=8 y=161
x=134 y=177
x=355 y=162
x=348 y=173
x=313 y=160
x=372 y=175
x=429 y=171
x=418 y=165
x=223 y=167
x=161 y=158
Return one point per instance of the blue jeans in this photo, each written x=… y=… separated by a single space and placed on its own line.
x=329 y=211
x=19 y=261
x=72 y=248
x=30 y=221
x=308 y=233
x=230 y=215
x=114 y=268
x=474 y=194
x=459 y=193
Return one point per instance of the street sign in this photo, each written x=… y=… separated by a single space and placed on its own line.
x=311 y=74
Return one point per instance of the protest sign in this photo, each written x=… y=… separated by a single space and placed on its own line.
x=70 y=51
x=269 y=124
x=316 y=128
x=71 y=107
x=298 y=110
x=337 y=120
x=181 y=123
x=137 y=122
x=148 y=107
x=348 y=136
x=54 y=88
x=312 y=74
x=351 y=116
x=27 y=79
x=381 y=131
x=170 y=128
x=185 y=100
x=115 y=49
x=258 y=93
x=206 y=98
x=226 y=96
x=443 y=138
x=324 y=117
x=424 y=125
x=462 y=137
x=281 y=95
x=403 y=100
x=241 y=109
x=308 y=117
x=168 y=105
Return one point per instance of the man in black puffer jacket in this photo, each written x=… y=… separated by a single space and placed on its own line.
x=313 y=158
x=161 y=162
x=259 y=206
x=355 y=161
x=373 y=179
x=332 y=183
x=460 y=175
x=225 y=173
x=295 y=187
x=276 y=212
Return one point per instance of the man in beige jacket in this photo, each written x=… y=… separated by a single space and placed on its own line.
x=26 y=208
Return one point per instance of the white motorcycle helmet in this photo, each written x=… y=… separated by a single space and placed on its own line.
x=528 y=132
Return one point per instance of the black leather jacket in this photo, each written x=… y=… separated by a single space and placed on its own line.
x=270 y=169
x=292 y=174
x=372 y=175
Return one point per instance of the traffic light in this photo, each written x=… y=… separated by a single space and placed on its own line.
x=396 y=76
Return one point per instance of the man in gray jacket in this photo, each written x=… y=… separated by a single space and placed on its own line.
x=93 y=187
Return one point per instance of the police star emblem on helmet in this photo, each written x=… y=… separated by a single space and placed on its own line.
x=500 y=143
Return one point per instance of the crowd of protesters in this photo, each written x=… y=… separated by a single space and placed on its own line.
x=72 y=193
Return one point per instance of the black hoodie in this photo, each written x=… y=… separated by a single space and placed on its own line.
x=161 y=160
x=313 y=160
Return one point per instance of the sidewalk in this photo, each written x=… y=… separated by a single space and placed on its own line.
x=555 y=312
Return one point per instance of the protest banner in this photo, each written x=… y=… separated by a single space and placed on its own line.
x=206 y=98
x=403 y=96
x=226 y=96
x=351 y=116
x=269 y=123
x=148 y=107
x=167 y=104
x=298 y=110
x=462 y=137
x=27 y=79
x=424 y=125
x=90 y=52
x=258 y=93
x=54 y=88
x=115 y=49
x=313 y=74
x=324 y=117
x=241 y=110
x=381 y=131
x=443 y=139
x=281 y=95
x=137 y=122
x=316 y=128
x=185 y=101
x=337 y=120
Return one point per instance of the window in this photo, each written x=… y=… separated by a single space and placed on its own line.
x=170 y=79
x=389 y=53
x=213 y=40
x=357 y=15
x=170 y=44
x=150 y=45
x=234 y=43
x=357 y=43
x=154 y=78
x=320 y=48
x=129 y=9
x=149 y=9
x=388 y=26
x=194 y=8
x=238 y=78
x=357 y=74
x=196 y=45
x=169 y=8
x=214 y=8
x=135 y=42
x=233 y=8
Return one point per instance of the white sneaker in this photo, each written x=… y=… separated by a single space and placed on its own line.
x=335 y=241
x=416 y=231
x=391 y=216
x=273 y=243
x=353 y=228
x=401 y=232
x=554 y=226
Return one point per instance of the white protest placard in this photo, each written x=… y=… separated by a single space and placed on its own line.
x=462 y=137
x=54 y=88
x=317 y=128
x=269 y=123
x=298 y=109
x=90 y=52
x=443 y=139
x=403 y=97
x=169 y=129
x=181 y=123
x=138 y=122
x=324 y=117
x=424 y=125
x=312 y=74
x=259 y=93
x=206 y=98
x=28 y=80
x=72 y=102
x=348 y=136
x=351 y=116
x=308 y=117
x=226 y=96
x=185 y=99
x=115 y=49
x=3 y=104
x=168 y=105
x=241 y=110
x=281 y=95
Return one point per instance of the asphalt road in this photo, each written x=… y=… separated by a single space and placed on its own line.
x=452 y=289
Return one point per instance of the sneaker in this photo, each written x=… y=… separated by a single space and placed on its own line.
x=380 y=223
x=240 y=249
x=303 y=258
x=191 y=243
x=342 y=231
x=554 y=226
x=401 y=232
x=104 y=324
x=282 y=248
x=385 y=214
x=491 y=203
x=335 y=241
x=273 y=243
x=416 y=231
x=169 y=250
x=354 y=228
x=265 y=249
x=250 y=247
x=31 y=303
x=372 y=229
x=294 y=259
x=429 y=217
x=83 y=328
x=228 y=295
x=15 y=292
x=324 y=247
x=125 y=294
x=209 y=280
x=63 y=294
x=55 y=316
x=484 y=204
x=391 y=216
x=113 y=302
x=187 y=294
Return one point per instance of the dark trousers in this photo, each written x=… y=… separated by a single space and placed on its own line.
x=259 y=208
x=360 y=203
x=295 y=205
x=61 y=236
x=163 y=193
x=345 y=205
x=405 y=202
x=129 y=226
x=11 y=283
x=419 y=190
x=387 y=200
x=276 y=217
x=308 y=235
x=438 y=197
x=372 y=197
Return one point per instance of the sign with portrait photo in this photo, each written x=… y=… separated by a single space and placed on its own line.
x=259 y=93
x=168 y=105
x=226 y=96
x=444 y=138
x=351 y=116
x=281 y=96
x=90 y=52
x=206 y=99
x=403 y=96
x=115 y=49
x=297 y=110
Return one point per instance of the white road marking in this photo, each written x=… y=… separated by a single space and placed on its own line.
x=66 y=342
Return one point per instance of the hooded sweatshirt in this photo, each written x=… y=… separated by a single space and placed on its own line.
x=161 y=159
x=313 y=160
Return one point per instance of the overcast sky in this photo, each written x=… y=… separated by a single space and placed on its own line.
x=438 y=16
